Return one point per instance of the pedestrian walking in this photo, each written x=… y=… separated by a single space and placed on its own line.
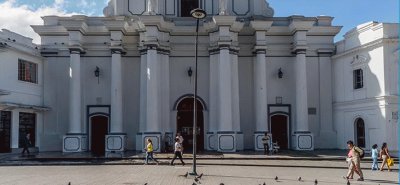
x=349 y=165
x=149 y=152
x=177 y=152
x=27 y=143
x=355 y=154
x=265 y=140
x=374 y=156
x=180 y=138
x=384 y=155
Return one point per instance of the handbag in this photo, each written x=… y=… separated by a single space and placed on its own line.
x=390 y=161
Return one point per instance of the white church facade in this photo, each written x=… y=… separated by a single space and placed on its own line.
x=106 y=84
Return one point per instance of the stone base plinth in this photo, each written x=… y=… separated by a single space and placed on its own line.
x=75 y=143
x=304 y=141
x=229 y=141
x=115 y=143
x=211 y=141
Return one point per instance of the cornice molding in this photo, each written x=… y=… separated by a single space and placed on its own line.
x=382 y=99
x=375 y=43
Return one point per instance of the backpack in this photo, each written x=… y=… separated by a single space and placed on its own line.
x=360 y=152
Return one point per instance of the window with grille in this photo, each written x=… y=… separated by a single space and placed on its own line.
x=27 y=71
x=358 y=79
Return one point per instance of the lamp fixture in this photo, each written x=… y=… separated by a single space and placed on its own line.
x=280 y=73
x=97 y=74
x=190 y=72
x=198 y=13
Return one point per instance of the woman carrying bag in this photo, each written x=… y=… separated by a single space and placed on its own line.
x=386 y=159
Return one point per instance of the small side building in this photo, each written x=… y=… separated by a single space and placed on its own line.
x=365 y=86
x=21 y=91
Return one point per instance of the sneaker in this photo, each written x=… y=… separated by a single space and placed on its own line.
x=360 y=179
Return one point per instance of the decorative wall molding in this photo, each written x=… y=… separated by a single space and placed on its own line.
x=359 y=61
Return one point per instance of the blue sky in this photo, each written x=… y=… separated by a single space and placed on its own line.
x=17 y=15
x=347 y=13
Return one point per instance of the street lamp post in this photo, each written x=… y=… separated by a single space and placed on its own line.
x=197 y=14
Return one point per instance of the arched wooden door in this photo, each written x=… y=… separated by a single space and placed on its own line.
x=279 y=130
x=360 y=132
x=184 y=123
x=99 y=130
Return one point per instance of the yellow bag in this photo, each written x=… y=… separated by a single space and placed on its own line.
x=390 y=162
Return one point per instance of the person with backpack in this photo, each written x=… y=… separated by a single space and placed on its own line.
x=355 y=154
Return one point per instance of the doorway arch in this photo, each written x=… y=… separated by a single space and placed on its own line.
x=359 y=128
x=184 y=123
x=280 y=130
x=98 y=131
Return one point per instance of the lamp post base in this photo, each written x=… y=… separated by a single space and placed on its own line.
x=193 y=173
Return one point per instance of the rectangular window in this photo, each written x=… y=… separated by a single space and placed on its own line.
x=27 y=124
x=358 y=79
x=27 y=71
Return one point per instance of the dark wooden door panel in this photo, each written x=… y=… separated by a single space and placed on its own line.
x=99 y=131
x=279 y=130
x=5 y=131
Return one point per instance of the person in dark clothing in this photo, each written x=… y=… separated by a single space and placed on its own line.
x=26 y=144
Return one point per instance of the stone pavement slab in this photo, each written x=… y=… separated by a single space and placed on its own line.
x=173 y=175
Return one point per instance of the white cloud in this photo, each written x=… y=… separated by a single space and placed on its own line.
x=18 y=18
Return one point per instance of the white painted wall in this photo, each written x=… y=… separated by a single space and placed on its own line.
x=376 y=45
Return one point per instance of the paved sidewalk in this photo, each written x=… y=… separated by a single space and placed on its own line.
x=173 y=175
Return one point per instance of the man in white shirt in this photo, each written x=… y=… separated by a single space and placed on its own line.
x=180 y=138
x=265 y=140
x=178 y=152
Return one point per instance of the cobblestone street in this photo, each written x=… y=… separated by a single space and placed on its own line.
x=228 y=174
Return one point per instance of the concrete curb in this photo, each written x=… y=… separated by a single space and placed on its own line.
x=136 y=163
x=188 y=158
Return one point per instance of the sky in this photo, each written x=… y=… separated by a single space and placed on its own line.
x=18 y=15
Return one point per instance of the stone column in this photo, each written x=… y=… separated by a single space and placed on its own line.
x=304 y=139
x=229 y=137
x=116 y=139
x=226 y=133
x=236 y=99
x=75 y=140
x=211 y=140
x=150 y=99
x=325 y=101
x=116 y=92
x=152 y=113
x=225 y=91
x=75 y=94
x=260 y=98
x=301 y=92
